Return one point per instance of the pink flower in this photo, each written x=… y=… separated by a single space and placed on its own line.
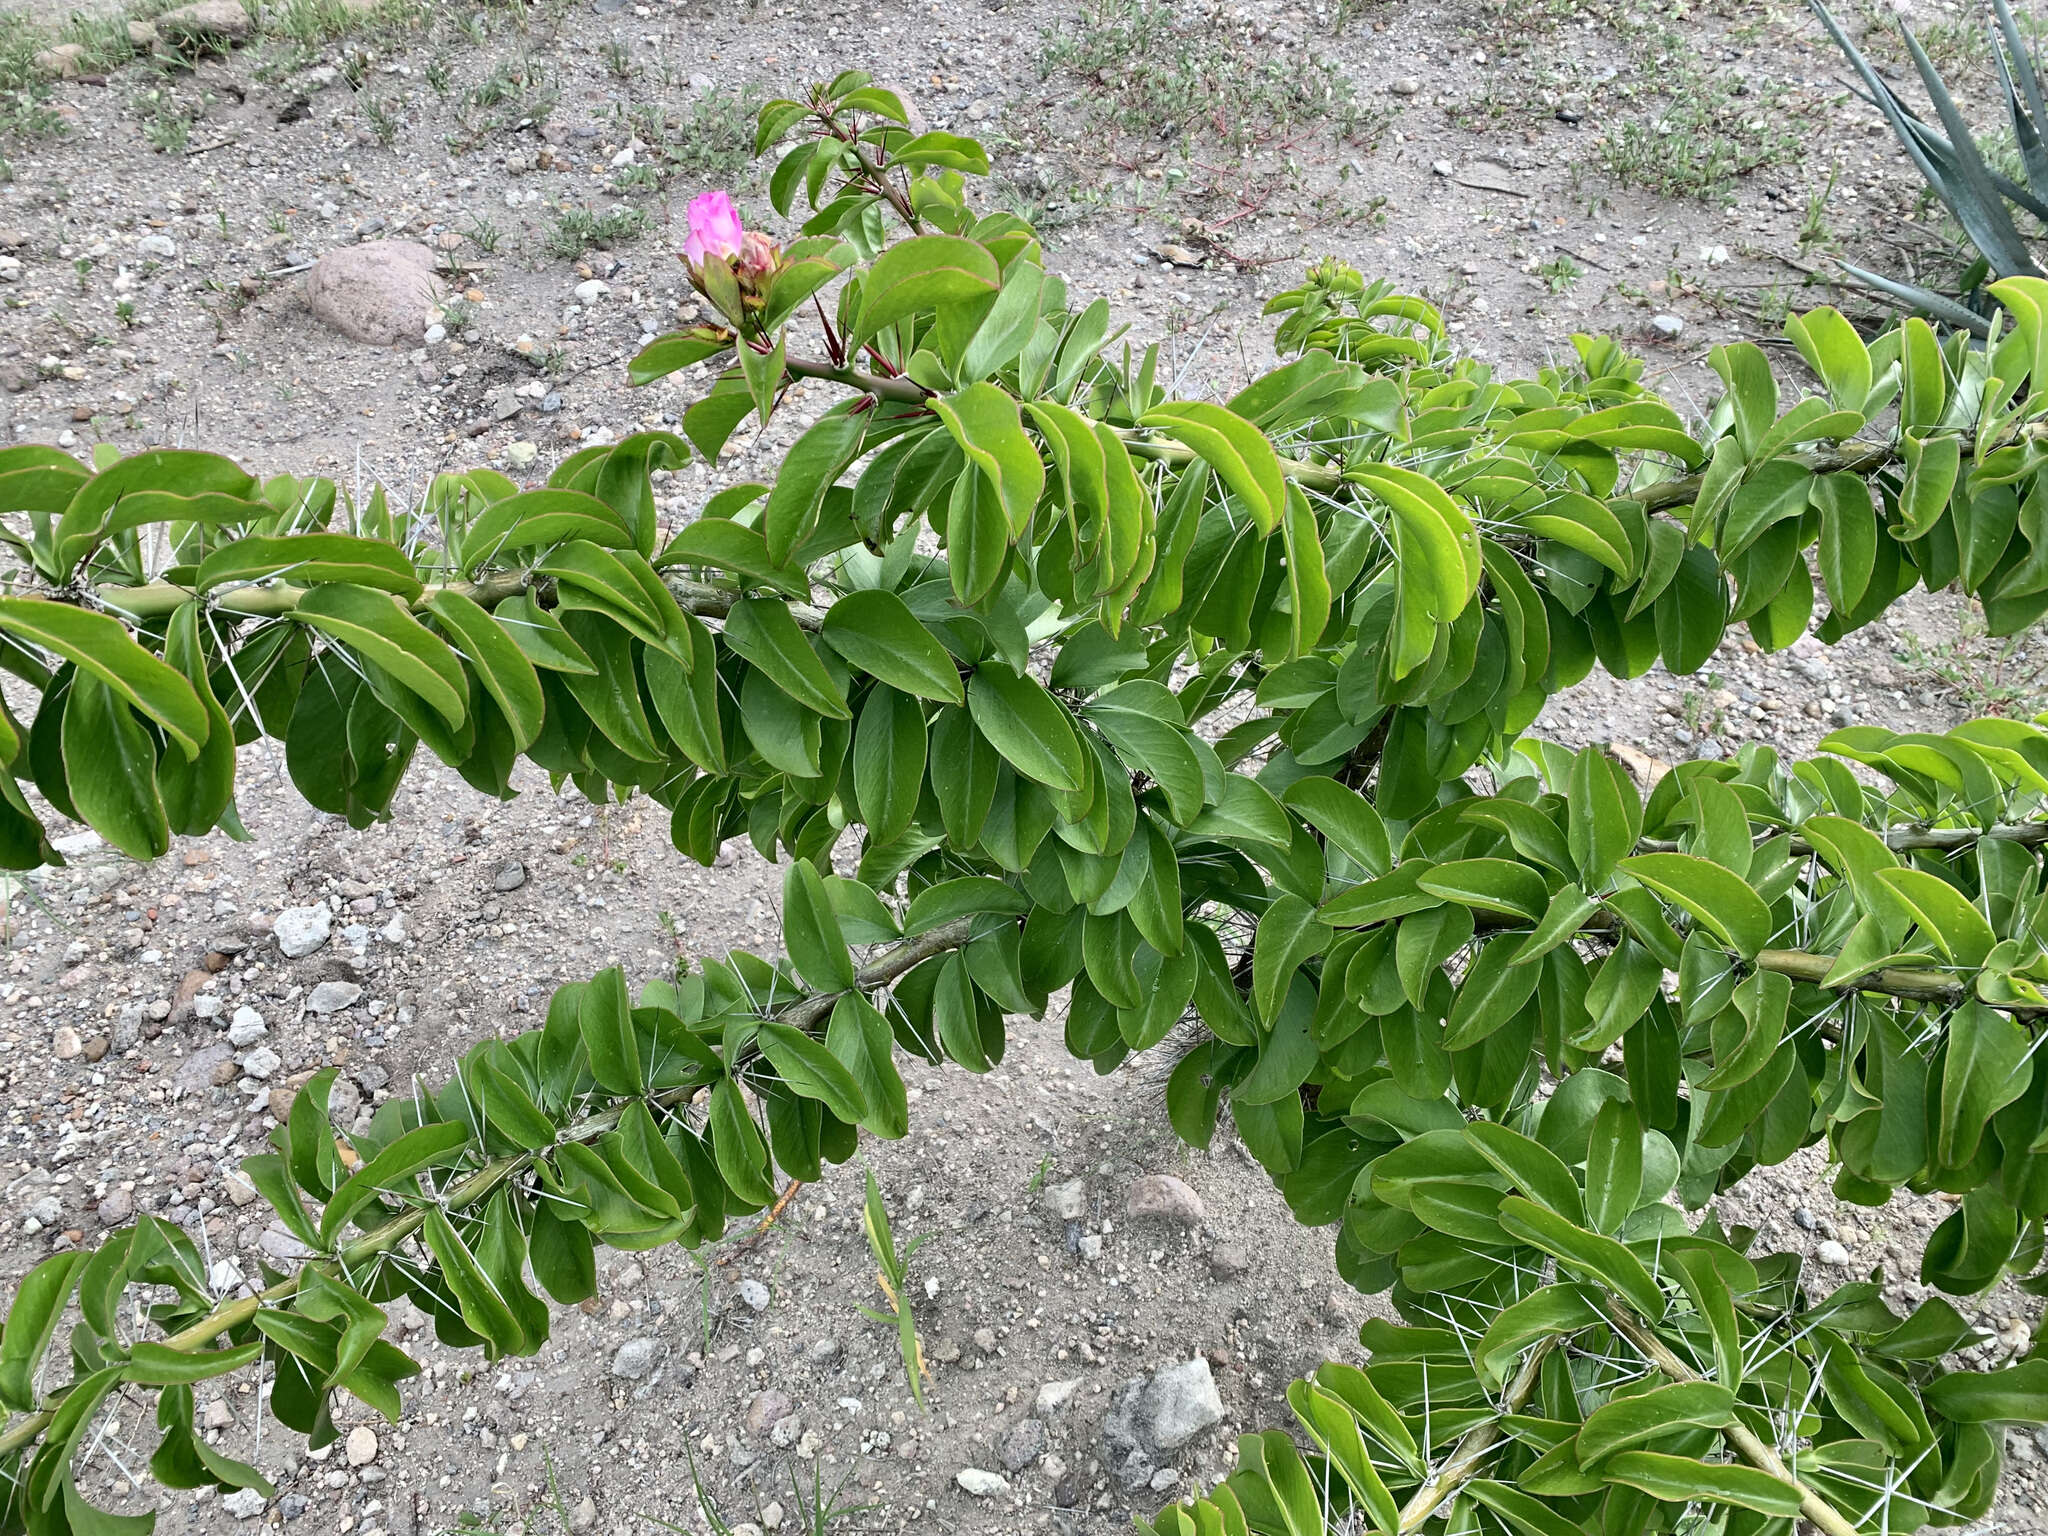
x=714 y=228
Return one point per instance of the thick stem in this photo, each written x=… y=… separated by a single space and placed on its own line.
x=1472 y=1447
x=155 y=599
x=1747 y=1445
x=1906 y=839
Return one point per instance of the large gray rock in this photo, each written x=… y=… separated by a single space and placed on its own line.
x=377 y=292
x=1152 y=1416
x=1180 y=1402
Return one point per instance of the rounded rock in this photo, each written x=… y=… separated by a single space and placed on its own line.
x=377 y=292
x=1166 y=1197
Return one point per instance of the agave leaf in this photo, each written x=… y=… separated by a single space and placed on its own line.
x=2024 y=98
x=1943 y=308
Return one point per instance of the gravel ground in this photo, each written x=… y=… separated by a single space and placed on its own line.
x=1538 y=170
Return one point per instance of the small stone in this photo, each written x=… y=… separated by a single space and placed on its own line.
x=142 y=34
x=1667 y=327
x=1053 y=1398
x=1441 y=167
x=985 y=1340
x=983 y=1485
x=767 y=1409
x=521 y=454
x=1227 y=1261
x=362 y=1446
x=65 y=1044
x=261 y=1063
x=1022 y=1444
x=755 y=1295
x=584 y=1516
x=219 y=1415
x=1405 y=85
x=825 y=1351
x=635 y=1358
x=1068 y=1201
x=1090 y=1246
x=1804 y=1220
x=771 y=1515
x=246 y=1028
x=162 y=247
x=241 y=1190
x=1164 y=1196
x=786 y=1431
x=245 y=1503
x=1833 y=1254
x=508 y=876
x=333 y=996
x=47 y=1211
x=588 y=293
x=435 y=335
x=301 y=930
x=116 y=1208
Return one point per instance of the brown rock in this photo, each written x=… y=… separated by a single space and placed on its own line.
x=61 y=62
x=377 y=292
x=96 y=1048
x=1164 y=1196
x=212 y=22
x=142 y=35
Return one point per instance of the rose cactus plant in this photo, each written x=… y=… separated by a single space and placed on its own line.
x=1201 y=730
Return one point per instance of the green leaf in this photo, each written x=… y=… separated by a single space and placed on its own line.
x=377 y=628
x=508 y=677
x=889 y=749
x=814 y=462
x=2016 y=1395
x=922 y=273
x=985 y=422
x=1587 y=1253
x=1629 y=1421
x=878 y=634
x=1986 y=1067
x=110 y=769
x=858 y=1036
x=810 y=1068
x=1289 y=932
x=1681 y=1480
x=736 y=1143
x=1490 y=885
x=311 y=559
x=1614 y=1166
x=1944 y=914
x=967 y=896
x=761 y=630
x=100 y=646
x=810 y=928
x=1717 y=898
x=719 y=543
x=392 y=1170
x=32 y=1321
x=1029 y=727
x=1238 y=451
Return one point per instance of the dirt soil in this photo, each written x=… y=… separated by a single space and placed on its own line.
x=1538 y=169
